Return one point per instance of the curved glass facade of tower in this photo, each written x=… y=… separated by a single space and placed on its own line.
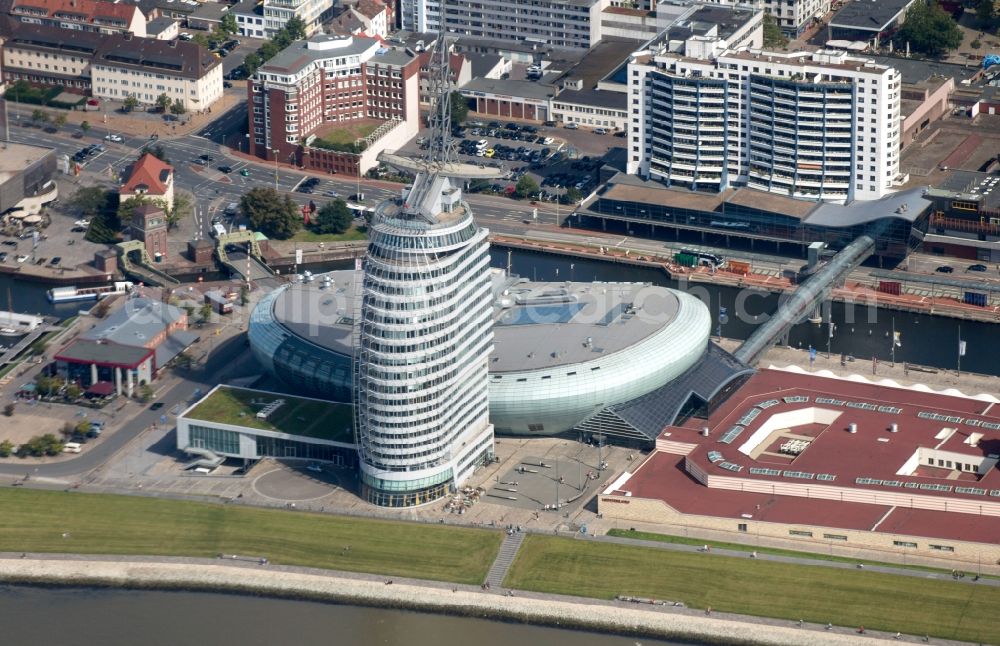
x=424 y=339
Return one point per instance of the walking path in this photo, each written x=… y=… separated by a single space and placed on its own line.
x=665 y=621
x=505 y=558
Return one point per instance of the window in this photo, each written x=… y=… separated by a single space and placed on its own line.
x=800 y=532
x=904 y=544
x=741 y=527
x=943 y=548
x=835 y=537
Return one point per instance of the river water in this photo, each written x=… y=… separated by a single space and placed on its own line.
x=862 y=332
x=88 y=616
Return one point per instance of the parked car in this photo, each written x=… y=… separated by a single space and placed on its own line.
x=55 y=261
x=3 y=256
x=976 y=268
x=226 y=169
x=944 y=269
x=156 y=406
x=116 y=138
x=571 y=126
x=600 y=131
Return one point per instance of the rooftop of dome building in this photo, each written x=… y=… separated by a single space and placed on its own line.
x=537 y=325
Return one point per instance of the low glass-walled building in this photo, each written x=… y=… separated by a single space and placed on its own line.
x=254 y=424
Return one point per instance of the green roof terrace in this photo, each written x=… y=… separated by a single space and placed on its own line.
x=257 y=409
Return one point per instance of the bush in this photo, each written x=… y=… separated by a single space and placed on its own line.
x=40 y=445
x=6 y=449
x=8 y=410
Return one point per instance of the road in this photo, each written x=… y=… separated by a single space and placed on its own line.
x=213 y=190
x=219 y=363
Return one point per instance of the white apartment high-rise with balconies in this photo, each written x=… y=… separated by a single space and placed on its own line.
x=812 y=125
x=424 y=339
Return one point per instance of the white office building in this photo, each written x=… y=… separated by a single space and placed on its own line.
x=421 y=365
x=556 y=23
x=813 y=125
x=793 y=16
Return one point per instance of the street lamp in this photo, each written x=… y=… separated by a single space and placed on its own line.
x=247 y=138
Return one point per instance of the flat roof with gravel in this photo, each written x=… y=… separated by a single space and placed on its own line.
x=295 y=416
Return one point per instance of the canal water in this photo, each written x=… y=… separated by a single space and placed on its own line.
x=859 y=331
x=87 y=616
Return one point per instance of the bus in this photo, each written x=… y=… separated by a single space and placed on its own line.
x=705 y=258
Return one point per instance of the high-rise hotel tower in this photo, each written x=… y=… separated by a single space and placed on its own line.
x=424 y=339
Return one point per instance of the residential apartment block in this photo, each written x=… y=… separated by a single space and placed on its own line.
x=558 y=23
x=264 y=19
x=80 y=15
x=146 y=68
x=111 y=66
x=814 y=125
x=314 y=86
x=46 y=55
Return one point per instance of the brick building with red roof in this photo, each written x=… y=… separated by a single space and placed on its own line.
x=829 y=461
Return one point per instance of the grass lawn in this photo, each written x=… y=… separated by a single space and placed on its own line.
x=296 y=416
x=354 y=233
x=348 y=133
x=752 y=587
x=34 y=521
x=684 y=540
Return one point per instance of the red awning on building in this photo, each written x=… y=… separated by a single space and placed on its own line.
x=101 y=389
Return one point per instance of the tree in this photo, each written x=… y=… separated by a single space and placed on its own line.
x=6 y=449
x=40 y=445
x=85 y=126
x=45 y=385
x=159 y=152
x=163 y=102
x=572 y=195
x=59 y=120
x=39 y=116
x=82 y=427
x=333 y=217
x=145 y=393
x=773 y=36
x=228 y=24
x=244 y=295
x=8 y=410
x=67 y=430
x=459 y=108
x=928 y=29
x=182 y=206
x=89 y=200
x=295 y=28
x=251 y=63
x=177 y=107
x=268 y=50
x=274 y=215
x=130 y=103
x=205 y=311
x=526 y=187
x=201 y=39
x=126 y=208
x=73 y=392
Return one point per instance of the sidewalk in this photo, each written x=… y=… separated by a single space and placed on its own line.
x=137 y=123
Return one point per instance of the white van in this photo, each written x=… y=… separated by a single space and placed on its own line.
x=72 y=447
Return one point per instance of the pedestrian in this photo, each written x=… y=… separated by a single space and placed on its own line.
x=708 y=610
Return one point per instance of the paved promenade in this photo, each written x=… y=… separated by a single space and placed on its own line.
x=248 y=573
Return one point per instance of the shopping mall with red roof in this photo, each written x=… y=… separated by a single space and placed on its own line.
x=829 y=461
